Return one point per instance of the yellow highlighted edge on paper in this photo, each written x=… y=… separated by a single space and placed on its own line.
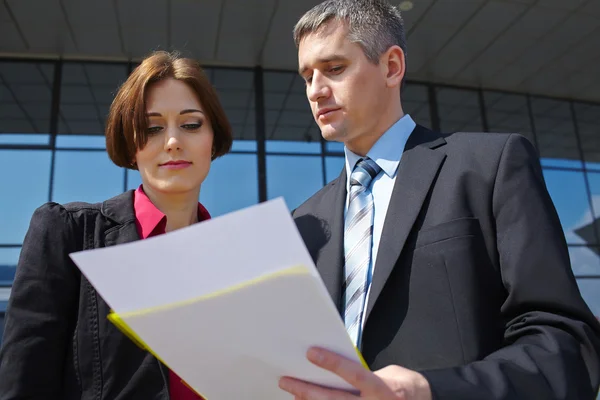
x=118 y=319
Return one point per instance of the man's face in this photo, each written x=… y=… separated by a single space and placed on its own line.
x=345 y=90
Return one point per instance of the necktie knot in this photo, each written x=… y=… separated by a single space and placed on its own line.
x=364 y=172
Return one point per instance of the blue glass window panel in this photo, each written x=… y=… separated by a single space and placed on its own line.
x=25 y=138
x=25 y=177
x=585 y=260
x=87 y=176
x=81 y=141
x=296 y=178
x=231 y=184
x=590 y=290
x=9 y=257
x=334 y=147
x=243 y=145
x=555 y=133
x=569 y=195
x=282 y=146
x=333 y=167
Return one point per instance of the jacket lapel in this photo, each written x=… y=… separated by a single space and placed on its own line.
x=330 y=261
x=120 y=210
x=416 y=173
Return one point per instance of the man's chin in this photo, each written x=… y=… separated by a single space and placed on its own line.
x=330 y=134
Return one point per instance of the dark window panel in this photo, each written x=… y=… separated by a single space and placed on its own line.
x=555 y=133
x=224 y=78
x=27 y=174
x=235 y=98
x=287 y=113
x=459 y=110
x=569 y=195
x=11 y=111
x=235 y=89
x=588 y=124
x=87 y=90
x=508 y=113
x=25 y=97
x=415 y=102
x=278 y=82
x=271 y=116
x=27 y=72
x=10 y=125
x=298 y=102
x=81 y=127
x=273 y=100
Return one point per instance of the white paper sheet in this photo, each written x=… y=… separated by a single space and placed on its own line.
x=238 y=344
x=174 y=291
x=196 y=260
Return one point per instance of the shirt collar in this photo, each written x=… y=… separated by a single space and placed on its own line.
x=388 y=149
x=150 y=219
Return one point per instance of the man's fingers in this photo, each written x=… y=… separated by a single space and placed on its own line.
x=306 y=391
x=353 y=373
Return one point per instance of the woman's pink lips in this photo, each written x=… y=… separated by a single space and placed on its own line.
x=176 y=164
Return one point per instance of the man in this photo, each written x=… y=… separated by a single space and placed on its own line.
x=444 y=253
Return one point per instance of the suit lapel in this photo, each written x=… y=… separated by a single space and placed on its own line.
x=330 y=261
x=121 y=210
x=416 y=173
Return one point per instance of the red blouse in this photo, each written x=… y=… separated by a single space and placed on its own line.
x=150 y=221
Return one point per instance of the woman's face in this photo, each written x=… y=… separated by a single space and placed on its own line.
x=177 y=157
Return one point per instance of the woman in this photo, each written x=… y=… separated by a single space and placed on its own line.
x=166 y=121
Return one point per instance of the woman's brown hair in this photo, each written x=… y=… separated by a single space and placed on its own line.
x=127 y=124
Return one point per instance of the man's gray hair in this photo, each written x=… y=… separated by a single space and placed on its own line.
x=375 y=25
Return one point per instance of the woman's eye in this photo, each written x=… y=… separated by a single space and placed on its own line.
x=192 y=127
x=154 y=129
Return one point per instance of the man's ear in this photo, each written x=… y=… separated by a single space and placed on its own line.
x=394 y=66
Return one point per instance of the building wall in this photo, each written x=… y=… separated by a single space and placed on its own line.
x=52 y=149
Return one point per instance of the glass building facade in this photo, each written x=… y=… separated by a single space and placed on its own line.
x=52 y=148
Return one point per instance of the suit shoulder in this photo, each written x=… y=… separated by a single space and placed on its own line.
x=479 y=138
x=485 y=143
x=56 y=216
x=315 y=202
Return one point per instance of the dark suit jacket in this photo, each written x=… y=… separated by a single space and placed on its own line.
x=472 y=285
x=58 y=343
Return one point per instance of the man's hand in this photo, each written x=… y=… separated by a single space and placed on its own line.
x=392 y=382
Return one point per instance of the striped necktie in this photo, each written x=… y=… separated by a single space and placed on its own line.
x=358 y=238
